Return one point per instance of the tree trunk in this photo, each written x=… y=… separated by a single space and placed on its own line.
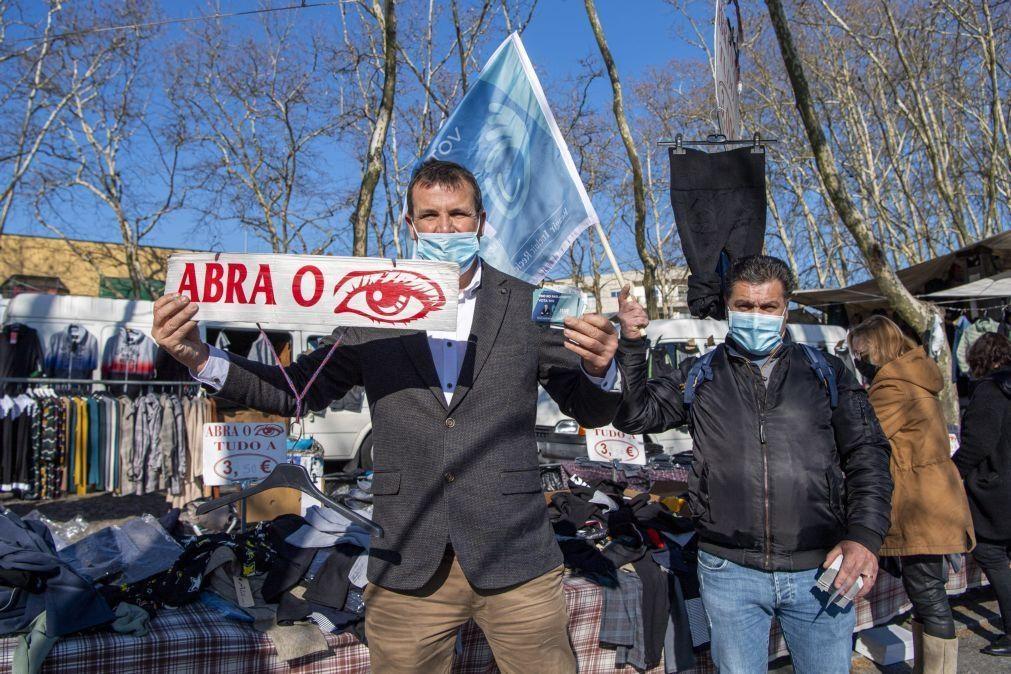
x=917 y=314
x=374 y=157
x=638 y=186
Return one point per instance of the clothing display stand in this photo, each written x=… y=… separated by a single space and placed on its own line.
x=49 y=381
x=293 y=477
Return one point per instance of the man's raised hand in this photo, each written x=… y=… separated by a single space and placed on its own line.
x=631 y=315
x=593 y=338
x=175 y=331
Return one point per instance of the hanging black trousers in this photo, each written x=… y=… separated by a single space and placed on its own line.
x=719 y=206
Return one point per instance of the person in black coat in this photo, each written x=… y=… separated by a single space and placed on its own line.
x=984 y=460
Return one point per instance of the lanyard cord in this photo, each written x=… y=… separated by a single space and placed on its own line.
x=299 y=396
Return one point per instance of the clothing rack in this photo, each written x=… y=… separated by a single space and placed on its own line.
x=679 y=143
x=46 y=381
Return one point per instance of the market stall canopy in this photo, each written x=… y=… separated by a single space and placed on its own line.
x=922 y=279
x=995 y=286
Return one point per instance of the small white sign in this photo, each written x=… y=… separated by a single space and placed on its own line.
x=608 y=444
x=318 y=290
x=727 y=71
x=242 y=451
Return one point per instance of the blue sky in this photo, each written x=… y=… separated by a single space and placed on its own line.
x=640 y=33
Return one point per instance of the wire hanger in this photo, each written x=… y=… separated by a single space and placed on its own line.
x=679 y=143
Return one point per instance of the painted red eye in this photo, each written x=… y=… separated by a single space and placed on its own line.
x=268 y=431
x=390 y=296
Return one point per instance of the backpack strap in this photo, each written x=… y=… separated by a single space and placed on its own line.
x=700 y=371
x=816 y=359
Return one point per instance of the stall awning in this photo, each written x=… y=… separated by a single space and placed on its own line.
x=998 y=285
x=915 y=277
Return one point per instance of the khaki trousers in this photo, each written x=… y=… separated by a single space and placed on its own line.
x=526 y=625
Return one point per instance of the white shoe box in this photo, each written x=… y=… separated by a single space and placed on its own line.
x=886 y=645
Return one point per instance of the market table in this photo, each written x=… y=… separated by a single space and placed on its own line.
x=196 y=639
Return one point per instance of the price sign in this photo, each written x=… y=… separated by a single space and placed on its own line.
x=242 y=451
x=608 y=444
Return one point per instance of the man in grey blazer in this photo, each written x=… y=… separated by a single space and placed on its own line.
x=456 y=486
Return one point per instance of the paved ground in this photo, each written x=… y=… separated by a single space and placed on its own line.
x=978 y=623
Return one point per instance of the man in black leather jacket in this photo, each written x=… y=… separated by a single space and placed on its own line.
x=785 y=477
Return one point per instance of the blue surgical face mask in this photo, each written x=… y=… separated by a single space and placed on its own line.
x=459 y=247
x=757 y=333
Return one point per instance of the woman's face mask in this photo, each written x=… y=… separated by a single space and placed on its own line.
x=866 y=368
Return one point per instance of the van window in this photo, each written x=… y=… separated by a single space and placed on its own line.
x=666 y=357
x=354 y=399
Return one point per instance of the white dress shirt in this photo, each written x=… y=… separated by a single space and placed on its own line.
x=448 y=349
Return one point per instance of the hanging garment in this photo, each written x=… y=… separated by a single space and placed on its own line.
x=222 y=342
x=16 y=453
x=719 y=206
x=191 y=487
x=172 y=444
x=125 y=444
x=146 y=462
x=261 y=351
x=969 y=337
x=960 y=327
x=94 y=443
x=129 y=354
x=20 y=354
x=72 y=353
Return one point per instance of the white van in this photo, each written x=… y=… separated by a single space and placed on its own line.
x=344 y=435
x=673 y=341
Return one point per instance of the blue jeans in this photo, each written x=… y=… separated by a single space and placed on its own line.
x=741 y=602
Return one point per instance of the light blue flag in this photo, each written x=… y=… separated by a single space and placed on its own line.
x=503 y=131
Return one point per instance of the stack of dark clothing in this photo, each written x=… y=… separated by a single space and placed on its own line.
x=292 y=577
x=644 y=557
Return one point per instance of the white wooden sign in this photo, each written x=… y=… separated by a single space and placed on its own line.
x=242 y=451
x=608 y=444
x=318 y=290
x=727 y=70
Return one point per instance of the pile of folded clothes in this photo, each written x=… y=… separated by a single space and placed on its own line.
x=643 y=554
x=293 y=578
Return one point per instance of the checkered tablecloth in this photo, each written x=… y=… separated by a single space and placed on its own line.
x=197 y=640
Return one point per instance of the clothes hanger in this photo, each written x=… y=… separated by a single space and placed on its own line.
x=293 y=477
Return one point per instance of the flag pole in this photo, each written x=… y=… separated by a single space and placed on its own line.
x=610 y=254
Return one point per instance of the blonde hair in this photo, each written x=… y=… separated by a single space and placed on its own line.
x=885 y=340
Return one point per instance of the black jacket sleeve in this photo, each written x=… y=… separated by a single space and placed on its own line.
x=648 y=405
x=263 y=387
x=560 y=373
x=864 y=453
x=982 y=424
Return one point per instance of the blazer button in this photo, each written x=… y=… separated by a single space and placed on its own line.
x=449 y=477
x=450 y=422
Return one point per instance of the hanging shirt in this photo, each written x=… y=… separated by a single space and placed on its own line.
x=20 y=354
x=261 y=350
x=129 y=355
x=72 y=354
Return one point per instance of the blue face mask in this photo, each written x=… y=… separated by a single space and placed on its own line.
x=757 y=333
x=459 y=247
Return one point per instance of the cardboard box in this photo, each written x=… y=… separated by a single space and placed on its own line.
x=886 y=645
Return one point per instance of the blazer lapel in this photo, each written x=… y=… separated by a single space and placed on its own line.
x=489 y=314
x=416 y=344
